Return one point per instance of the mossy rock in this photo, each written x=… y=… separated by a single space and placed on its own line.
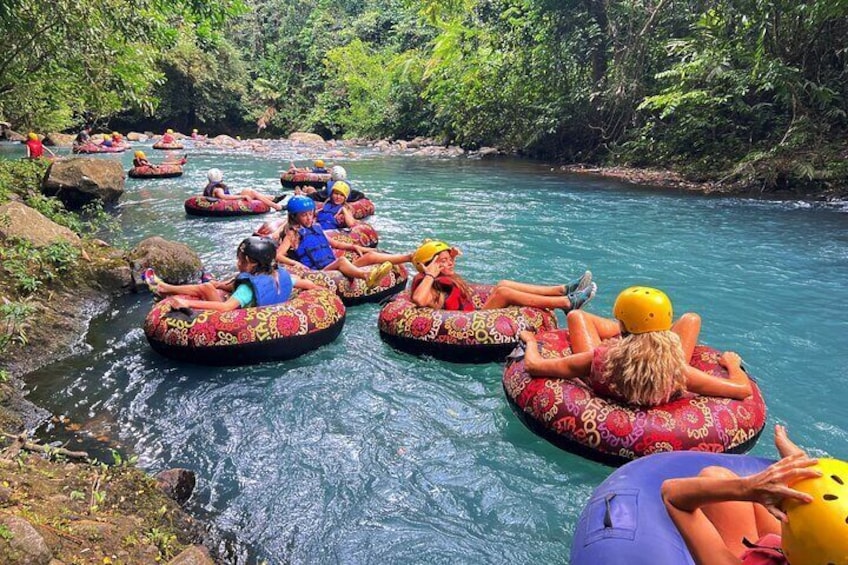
x=175 y=263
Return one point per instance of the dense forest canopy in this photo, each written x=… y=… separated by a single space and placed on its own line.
x=730 y=87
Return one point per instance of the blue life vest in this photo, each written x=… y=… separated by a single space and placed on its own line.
x=327 y=216
x=320 y=171
x=208 y=192
x=265 y=289
x=314 y=250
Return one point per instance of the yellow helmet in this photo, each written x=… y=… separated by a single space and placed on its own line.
x=107 y=135
x=319 y=163
x=817 y=532
x=342 y=188
x=116 y=134
x=31 y=135
x=428 y=250
x=643 y=309
x=139 y=155
x=169 y=130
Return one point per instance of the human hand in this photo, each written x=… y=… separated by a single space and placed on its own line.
x=770 y=486
x=433 y=269
x=359 y=250
x=527 y=336
x=730 y=359
x=178 y=303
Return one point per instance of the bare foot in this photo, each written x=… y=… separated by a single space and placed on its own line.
x=785 y=446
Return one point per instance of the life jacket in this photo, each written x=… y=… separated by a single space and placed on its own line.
x=767 y=551
x=327 y=216
x=319 y=171
x=454 y=300
x=267 y=291
x=36 y=148
x=209 y=190
x=168 y=138
x=314 y=249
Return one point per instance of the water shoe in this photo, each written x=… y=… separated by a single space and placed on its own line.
x=377 y=274
x=579 y=284
x=581 y=297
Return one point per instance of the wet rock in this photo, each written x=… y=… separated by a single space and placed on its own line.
x=176 y=483
x=12 y=135
x=224 y=141
x=175 y=263
x=24 y=546
x=59 y=139
x=79 y=181
x=136 y=136
x=20 y=221
x=488 y=151
x=194 y=555
x=304 y=137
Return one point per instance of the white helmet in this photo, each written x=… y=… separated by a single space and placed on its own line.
x=215 y=175
x=338 y=173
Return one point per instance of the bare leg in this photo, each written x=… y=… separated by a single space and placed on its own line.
x=587 y=331
x=733 y=520
x=259 y=196
x=503 y=296
x=688 y=327
x=541 y=290
x=377 y=257
x=204 y=291
x=346 y=268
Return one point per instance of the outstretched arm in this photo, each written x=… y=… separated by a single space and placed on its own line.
x=737 y=387
x=684 y=498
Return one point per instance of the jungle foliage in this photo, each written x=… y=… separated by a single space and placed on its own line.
x=753 y=90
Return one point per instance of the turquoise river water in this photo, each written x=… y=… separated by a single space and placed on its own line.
x=356 y=453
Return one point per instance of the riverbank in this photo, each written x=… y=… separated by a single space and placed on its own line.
x=58 y=504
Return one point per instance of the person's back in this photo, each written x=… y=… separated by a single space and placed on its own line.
x=35 y=149
x=83 y=137
x=268 y=289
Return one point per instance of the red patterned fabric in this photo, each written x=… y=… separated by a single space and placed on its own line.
x=401 y=317
x=168 y=146
x=354 y=291
x=304 y=178
x=570 y=411
x=307 y=312
x=164 y=170
x=203 y=206
x=94 y=148
x=361 y=234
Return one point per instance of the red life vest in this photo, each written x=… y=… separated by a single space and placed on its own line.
x=36 y=149
x=454 y=300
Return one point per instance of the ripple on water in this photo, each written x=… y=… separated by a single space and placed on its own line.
x=356 y=453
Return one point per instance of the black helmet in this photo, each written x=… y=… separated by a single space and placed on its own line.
x=260 y=249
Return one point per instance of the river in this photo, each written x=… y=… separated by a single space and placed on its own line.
x=356 y=453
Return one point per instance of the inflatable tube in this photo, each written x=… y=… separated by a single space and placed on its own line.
x=304 y=178
x=360 y=209
x=163 y=171
x=204 y=206
x=625 y=521
x=360 y=234
x=353 y=291
x=168 y=146
x=480 y=336
x=310 y=319
x=568 y=413
x=89 y=148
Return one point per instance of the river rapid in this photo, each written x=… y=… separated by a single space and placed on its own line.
x=356 y=453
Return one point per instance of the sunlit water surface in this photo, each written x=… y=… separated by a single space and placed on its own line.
x=358 y=454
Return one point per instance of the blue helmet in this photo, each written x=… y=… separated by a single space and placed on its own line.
x=298 y=204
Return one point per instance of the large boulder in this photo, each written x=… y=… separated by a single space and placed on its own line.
x=79 y=181
x=224 y=141
x=59 y=139
x=304 y=137
x=177 y=484
x=193 y=555
x=20 y=221
x=135 y=136
x=24 y=545
x=175 y=263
